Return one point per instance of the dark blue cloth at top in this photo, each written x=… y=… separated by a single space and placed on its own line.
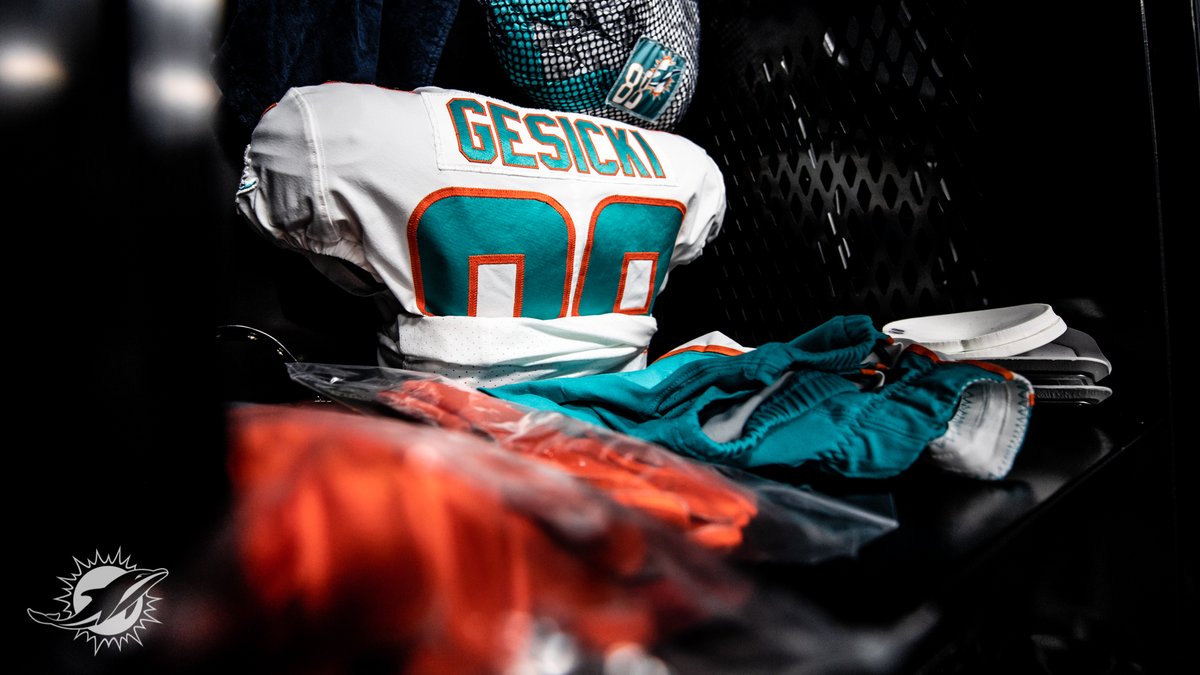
x=270 y=46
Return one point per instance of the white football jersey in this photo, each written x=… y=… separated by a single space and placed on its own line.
x=518 y=243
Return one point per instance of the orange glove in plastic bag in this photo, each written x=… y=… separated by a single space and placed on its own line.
x=365 y=534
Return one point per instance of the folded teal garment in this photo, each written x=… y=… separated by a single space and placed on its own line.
x=815 y=408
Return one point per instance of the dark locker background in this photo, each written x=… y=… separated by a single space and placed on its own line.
x=887 y=157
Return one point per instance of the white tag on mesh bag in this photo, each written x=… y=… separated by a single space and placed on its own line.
x=629 y=60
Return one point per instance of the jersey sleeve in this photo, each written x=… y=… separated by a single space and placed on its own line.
x=706 y=216
x=284 y=192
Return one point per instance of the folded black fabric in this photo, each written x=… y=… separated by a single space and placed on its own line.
x=269 y=46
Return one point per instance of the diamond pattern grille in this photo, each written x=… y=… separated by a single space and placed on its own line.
x=846 y=133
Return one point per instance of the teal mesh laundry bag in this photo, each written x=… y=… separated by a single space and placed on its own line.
x=634 y=61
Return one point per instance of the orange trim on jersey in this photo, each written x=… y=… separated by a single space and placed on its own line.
x=986 y=365
x=587 y=247
x=430 y=199
x=475 y=261
x=710 y=349
x=923 y=351
x=629 y=257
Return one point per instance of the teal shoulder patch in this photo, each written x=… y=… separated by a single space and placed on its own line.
x=649 y=79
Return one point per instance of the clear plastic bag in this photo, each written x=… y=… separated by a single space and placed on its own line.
x=358 y=534
x=366 y=541
x=713 y=505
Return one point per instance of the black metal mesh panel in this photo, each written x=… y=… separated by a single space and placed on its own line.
x=846 y=134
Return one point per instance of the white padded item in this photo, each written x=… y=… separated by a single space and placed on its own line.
x=985 y=333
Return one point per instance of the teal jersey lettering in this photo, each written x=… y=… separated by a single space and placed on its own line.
x=653 y=158
x=507 y=137
x=475 y=140
x=561 y=159
x=485 y=133
x=573 y=138
x=586 y=129
x=629 y=160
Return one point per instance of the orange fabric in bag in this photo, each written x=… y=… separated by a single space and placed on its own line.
x=374 y=531
x=710 y=509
